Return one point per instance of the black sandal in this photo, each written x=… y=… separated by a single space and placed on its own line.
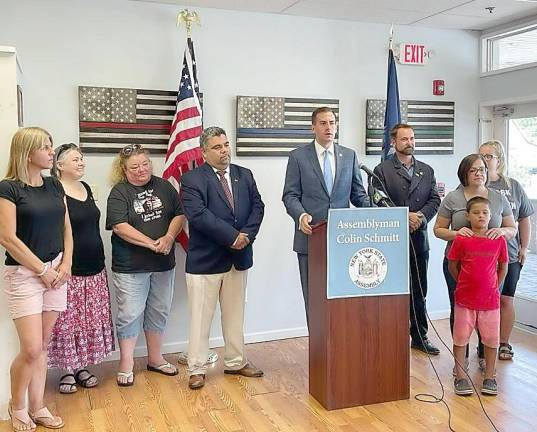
x=72 y=385
x=84 y=382
x=505 y=352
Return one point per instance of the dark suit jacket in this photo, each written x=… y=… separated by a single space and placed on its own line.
x=305 y=192
x=213 y=225
x=418 y=193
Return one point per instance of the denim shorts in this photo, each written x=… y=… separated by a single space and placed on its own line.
x=142 y=297
x=511 y=279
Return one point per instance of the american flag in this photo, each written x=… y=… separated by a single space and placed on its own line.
x=273 y=126
x=184 y=152
x=111 y=118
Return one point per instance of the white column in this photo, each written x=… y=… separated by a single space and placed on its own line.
x=8 y=126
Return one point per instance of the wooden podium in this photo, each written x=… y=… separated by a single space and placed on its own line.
x=358 y=346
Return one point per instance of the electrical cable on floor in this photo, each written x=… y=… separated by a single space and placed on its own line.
x=429 y=397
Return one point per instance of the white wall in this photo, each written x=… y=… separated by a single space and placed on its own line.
x=8 y=126
x=509 y=87
x=66 y=43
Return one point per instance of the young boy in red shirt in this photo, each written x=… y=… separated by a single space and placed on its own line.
x=479 y=264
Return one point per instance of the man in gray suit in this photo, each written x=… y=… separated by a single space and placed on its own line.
x=320 y=176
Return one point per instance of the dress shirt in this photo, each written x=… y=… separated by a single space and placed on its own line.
x=226 y=176
x=319 y=149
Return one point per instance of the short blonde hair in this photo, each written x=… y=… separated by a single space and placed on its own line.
x=119 y=165
x=23 y=144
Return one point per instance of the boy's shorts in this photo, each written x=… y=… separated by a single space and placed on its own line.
x=487 y=322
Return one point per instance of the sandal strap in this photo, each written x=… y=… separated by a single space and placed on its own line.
x=65 y=376
x=41 y=413
x=77 y=375
x=163 y=366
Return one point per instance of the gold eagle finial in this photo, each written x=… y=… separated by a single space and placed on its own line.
x=188 y=17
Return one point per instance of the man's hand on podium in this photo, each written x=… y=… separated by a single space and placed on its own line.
x=304 y=224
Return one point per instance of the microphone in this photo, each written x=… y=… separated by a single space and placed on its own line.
x=380 y=199
x=367 y=170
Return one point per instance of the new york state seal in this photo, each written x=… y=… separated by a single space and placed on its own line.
x=368 y=268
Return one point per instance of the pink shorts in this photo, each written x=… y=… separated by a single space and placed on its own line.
x=487 y=322
x=27 y=295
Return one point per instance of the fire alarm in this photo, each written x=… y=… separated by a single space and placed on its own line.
x=438 y=87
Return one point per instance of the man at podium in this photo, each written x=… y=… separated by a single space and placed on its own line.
x=320 y=175
x=411 y=183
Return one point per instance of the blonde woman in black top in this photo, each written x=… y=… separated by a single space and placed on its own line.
x=36 y=233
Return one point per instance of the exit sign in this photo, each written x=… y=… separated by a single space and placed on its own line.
x=413 y=54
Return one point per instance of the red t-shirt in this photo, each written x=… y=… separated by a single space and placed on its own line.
x=477 y=284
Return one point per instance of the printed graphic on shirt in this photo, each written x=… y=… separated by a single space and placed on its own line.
x=148 y=206
x=507 y=194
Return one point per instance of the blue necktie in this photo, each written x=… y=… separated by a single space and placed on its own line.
x=327 y=173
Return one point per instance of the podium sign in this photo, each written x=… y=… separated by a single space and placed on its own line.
x=367 y=252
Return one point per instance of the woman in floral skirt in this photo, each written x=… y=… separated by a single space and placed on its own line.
x=83 y=334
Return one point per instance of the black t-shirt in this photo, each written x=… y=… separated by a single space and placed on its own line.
x=149 y=209
x=88 y=251
x=40 y=216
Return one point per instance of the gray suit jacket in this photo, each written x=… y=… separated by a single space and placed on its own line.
x=305 y=191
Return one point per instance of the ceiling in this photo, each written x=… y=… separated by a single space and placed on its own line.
x=453 y=14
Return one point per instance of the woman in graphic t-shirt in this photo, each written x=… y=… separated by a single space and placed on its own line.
x=145 y=216
x=83 y=334
x=36 y=233
x=494 y=154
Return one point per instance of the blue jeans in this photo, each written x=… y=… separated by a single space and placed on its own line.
x=142 y=296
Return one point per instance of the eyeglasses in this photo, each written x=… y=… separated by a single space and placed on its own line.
x=489 y=157
x=481 y=170
x=130 y=149
x=64 y=147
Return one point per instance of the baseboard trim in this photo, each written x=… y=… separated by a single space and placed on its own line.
x=255 y=337
x=178 y=346
x=438 y=315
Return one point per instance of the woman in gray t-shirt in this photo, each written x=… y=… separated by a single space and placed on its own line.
x=451 y=219
x=522 y=208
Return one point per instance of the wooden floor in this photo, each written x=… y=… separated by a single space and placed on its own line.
x=280 y=401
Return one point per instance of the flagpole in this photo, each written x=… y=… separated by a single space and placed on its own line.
x=392 y=115
x=187 y=18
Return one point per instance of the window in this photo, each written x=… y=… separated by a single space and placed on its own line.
x=522 y=165
x=510 y=49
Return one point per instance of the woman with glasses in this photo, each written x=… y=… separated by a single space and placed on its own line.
x=494 y=154
x=36 y=233
x=145 y=216
x=83 y=334
x=451 y=220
